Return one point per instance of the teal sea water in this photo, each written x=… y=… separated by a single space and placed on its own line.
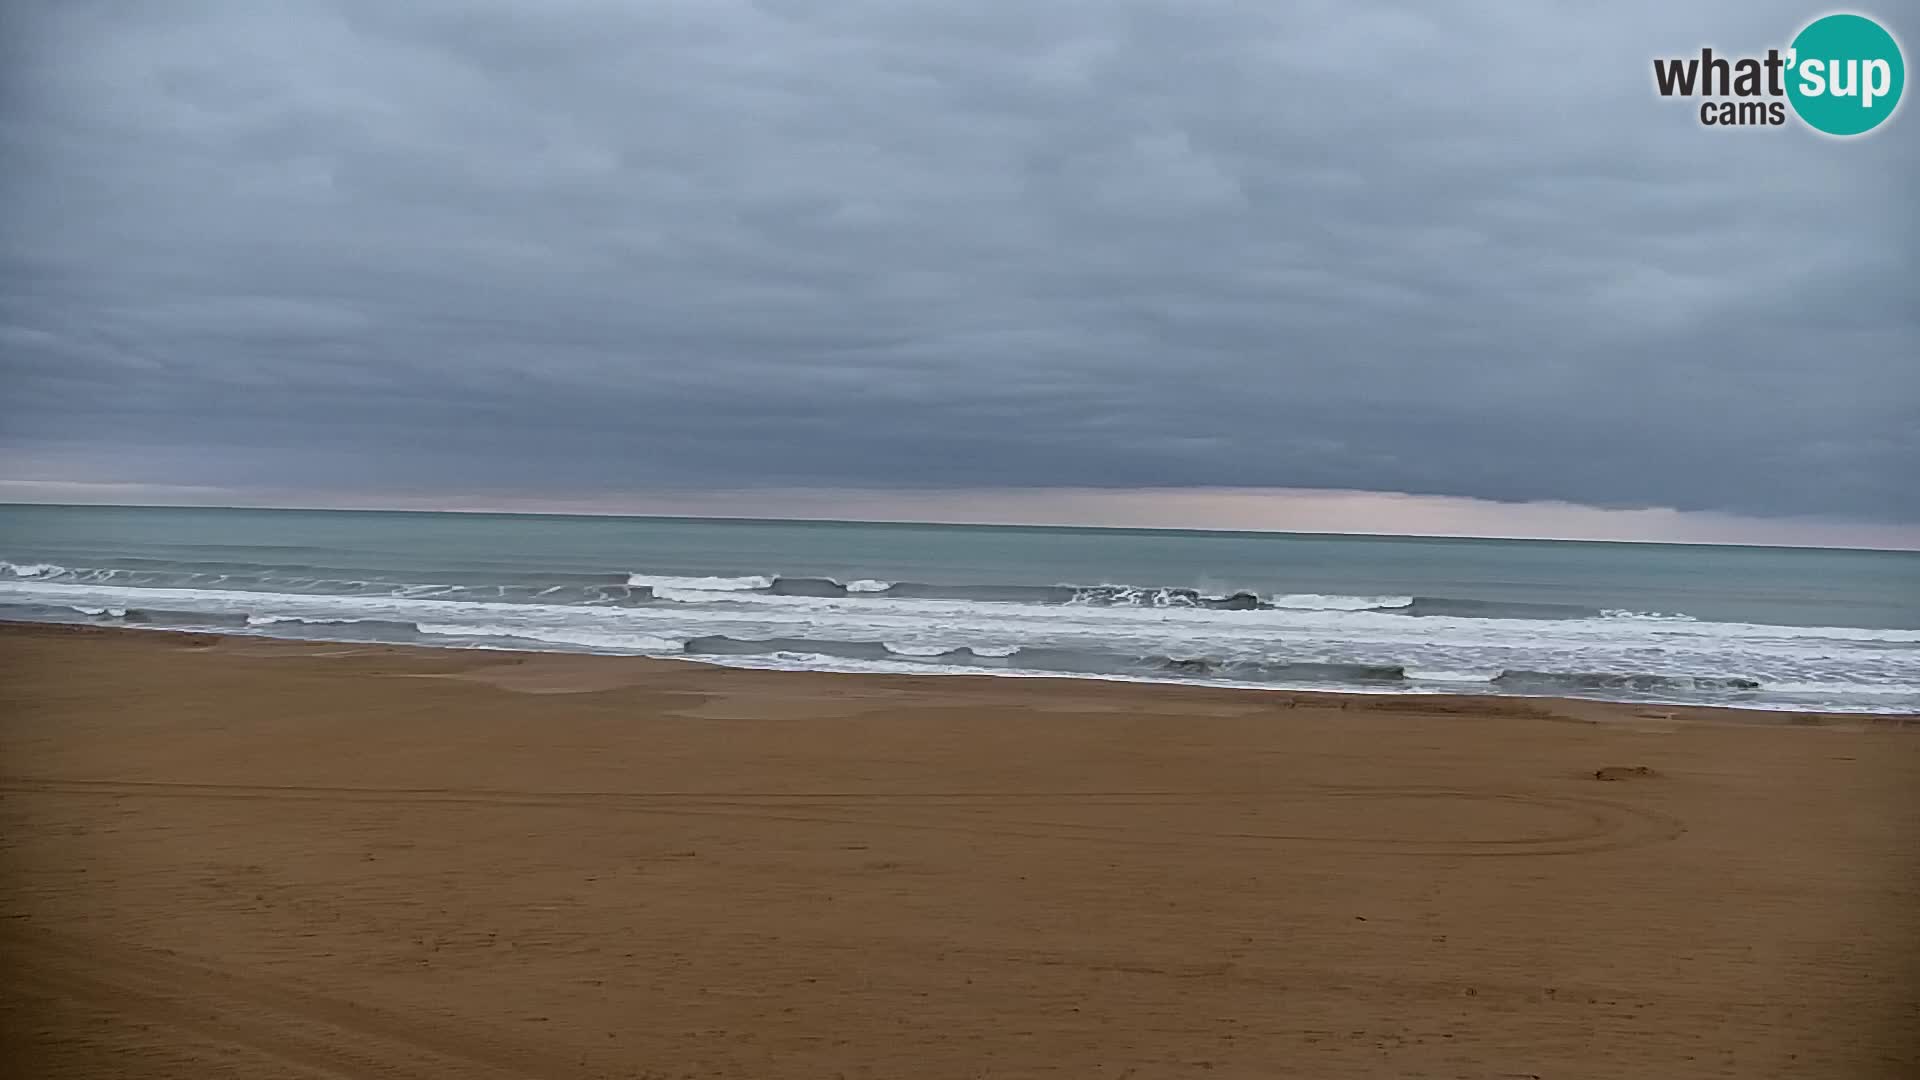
x=1767 y=627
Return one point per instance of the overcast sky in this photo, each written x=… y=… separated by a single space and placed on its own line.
x=628 y=253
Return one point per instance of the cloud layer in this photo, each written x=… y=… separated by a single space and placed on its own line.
x=520 y=246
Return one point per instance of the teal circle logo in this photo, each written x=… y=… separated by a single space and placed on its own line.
x=1845 y=74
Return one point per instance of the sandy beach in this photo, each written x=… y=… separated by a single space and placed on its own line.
x=238 y=857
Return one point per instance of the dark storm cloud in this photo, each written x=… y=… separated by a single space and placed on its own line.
x=544 y=245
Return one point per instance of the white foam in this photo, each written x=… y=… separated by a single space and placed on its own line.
x=1108 y=594
x=31 y=570
x=701 y=584
x=1440 y=675
x=635 y=643
x=109 y=612
x=1837 y=688
x=869 y=585
x=941 y=648
x=916 y=650
x=1647 y=616
x=995 y=650
x=1840 y=667
x=1336 y=602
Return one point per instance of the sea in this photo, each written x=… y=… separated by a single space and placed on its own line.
x=1758 y=627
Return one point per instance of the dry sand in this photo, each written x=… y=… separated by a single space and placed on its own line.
x=230 y=857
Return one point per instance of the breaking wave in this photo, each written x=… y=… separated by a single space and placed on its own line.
x=1362 y=641
x=636 y=588
x=587 y=639
x=1322 y=602
x=1592 y=680
x=559 y=588
x=662 y=582
x=29 y=570
x=1463 y=608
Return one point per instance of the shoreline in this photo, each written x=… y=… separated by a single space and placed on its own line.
x=1581 y=707
x=250 y=856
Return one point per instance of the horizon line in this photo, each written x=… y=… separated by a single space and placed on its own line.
x=927 y=522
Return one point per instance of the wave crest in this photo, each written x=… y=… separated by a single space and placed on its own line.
x=663 y=582
x=1465 y=608
x=30 y=570
x=1605 y=680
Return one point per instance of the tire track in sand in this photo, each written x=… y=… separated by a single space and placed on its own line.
x=1598 y=824
x=306 y=1031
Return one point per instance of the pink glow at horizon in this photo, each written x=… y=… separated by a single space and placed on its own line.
x=1267 y=509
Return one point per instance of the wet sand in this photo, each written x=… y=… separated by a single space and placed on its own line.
x=235 y=857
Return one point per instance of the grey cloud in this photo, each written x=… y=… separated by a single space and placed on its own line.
x=609 y=246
